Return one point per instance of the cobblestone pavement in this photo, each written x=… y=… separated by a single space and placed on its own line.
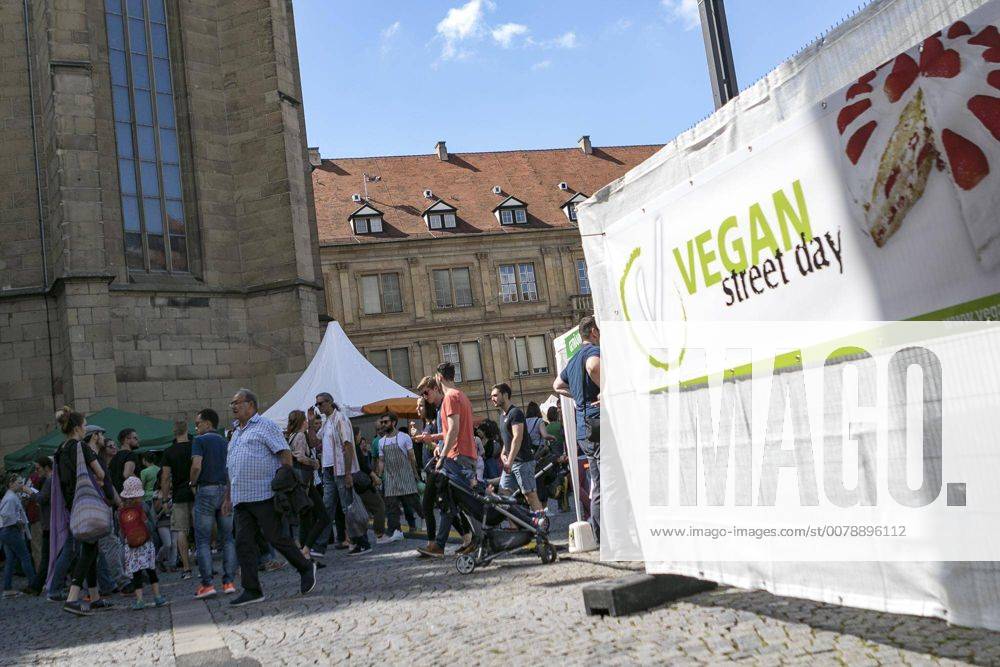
x=392 y=608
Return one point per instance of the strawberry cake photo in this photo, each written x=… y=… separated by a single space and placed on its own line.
x=933 y=111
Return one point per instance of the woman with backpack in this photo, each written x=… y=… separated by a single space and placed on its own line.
x=75 y=459
x=140 y=554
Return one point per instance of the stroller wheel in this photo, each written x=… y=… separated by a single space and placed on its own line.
x=547 y=552
x=466 y=563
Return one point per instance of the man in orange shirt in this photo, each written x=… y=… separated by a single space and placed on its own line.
x=458 y=449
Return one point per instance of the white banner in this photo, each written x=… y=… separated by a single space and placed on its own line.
x=872 y=200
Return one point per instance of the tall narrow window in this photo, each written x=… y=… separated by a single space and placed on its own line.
x=450 y=352
x=581 y=276
x=146 y=135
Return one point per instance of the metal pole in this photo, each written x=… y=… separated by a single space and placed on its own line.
x=718 y=51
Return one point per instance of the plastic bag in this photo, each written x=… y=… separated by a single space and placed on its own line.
x=355 y=515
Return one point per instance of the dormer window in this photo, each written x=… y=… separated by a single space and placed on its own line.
x=511 y=211
x=440 y=215
x=366 y=220
x=569 y=208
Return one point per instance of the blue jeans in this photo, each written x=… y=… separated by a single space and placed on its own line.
x=331 y=500
x=465 y=467
x=14 y=547
x=61 y=568
x=207 y=513
x=593 y=453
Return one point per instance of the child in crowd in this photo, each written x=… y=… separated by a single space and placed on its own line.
x=13 y=527
x=140 y=556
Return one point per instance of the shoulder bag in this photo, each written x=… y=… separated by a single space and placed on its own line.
x=90 y=518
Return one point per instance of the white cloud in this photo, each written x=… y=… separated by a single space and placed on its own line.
x=387 y=36
x=685 y=11
x=505 y=34
x=461 y=24
x=545 y=64
x=566 y=41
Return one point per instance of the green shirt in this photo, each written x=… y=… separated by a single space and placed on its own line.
x=148 y=477
x=559 y=446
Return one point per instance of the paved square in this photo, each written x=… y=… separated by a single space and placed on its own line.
x=391 y=608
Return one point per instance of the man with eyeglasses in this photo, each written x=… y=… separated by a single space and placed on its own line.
x=458 y=449
x=256 y=452
x=339 y=464
x=211 y=507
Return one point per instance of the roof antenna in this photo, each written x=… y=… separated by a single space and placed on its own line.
x=370 y=179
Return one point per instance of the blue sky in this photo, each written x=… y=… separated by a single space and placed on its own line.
x=393 y=77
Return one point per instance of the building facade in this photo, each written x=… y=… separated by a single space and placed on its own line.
x=158 y=245
x=473 y=258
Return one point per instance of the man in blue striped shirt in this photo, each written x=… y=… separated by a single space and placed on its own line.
x=256 y=452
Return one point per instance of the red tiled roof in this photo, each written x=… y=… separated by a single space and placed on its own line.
x=466 y=182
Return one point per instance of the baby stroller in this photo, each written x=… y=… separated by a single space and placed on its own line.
x=486 y=512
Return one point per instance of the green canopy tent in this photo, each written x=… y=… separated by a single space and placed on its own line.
x=154 y=434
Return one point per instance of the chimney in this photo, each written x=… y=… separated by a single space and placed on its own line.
x=585 y=144
x=314 y=159
x=441 y=150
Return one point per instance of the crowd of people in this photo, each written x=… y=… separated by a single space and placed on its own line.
x=109 y=518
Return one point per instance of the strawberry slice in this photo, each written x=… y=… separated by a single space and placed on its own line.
x=868 y=78
x=987 y=110
x=936 y=62
x=968 y=162
x=857 y=89
x=958 y=29
x=904 y=73
x=992 y=55
x=856 y=144
x=849 y=113
x=988 y=36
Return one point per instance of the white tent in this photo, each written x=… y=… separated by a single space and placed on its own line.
x=338 y=369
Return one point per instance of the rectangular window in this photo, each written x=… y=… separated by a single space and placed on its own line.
x=375 y=225
x=434 y=221
x=506 y=217
x=380 y=293
x=517 y=282
x=399 y=359
x=571 y=209
x=450 y=352
x=152 y=207
x=368 y=224
x=465 y=357
x=520 y=216
x=393 y=363
x=528 y=355
x=452 y=288
x=449 y=220
x=583 y=282
x=361 y=225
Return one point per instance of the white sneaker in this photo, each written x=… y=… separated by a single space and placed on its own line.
x=385 y=539
x=396 y=537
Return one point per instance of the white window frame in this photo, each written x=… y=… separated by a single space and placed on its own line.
x=366 y=224
x=506 y=216
x=520 y=216
x=519 y=294
x=571 y=211
x=434 y=221
x=450 y=221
